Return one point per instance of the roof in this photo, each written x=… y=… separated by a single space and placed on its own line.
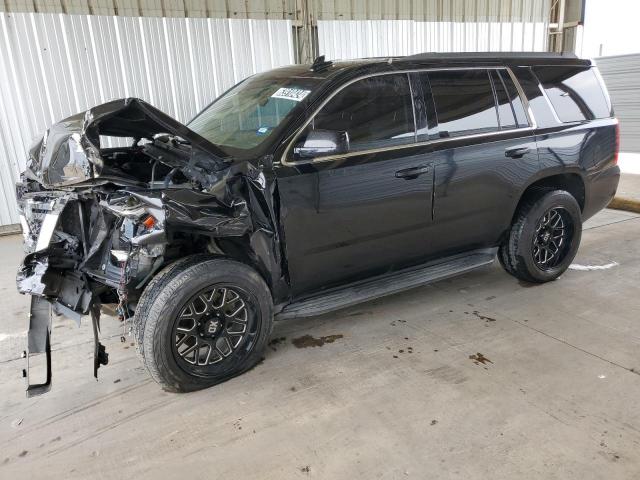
x=520 y=58
x=466 y=58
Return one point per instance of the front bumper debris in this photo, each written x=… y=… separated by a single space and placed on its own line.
x=39 y=342
x=98 y=223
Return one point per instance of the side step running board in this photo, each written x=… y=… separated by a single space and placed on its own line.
x=388 y=284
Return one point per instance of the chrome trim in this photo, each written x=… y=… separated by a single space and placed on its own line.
x=523 y=99
x=532 y=127
x=546 y=97
x=407 y=145
x=413 y=109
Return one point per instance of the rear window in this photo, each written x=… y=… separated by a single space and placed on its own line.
x=575 y=93
x=464 y=102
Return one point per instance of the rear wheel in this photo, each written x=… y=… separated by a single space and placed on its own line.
x=544 y=237
x=204 y=324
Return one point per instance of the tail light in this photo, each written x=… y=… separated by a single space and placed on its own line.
x=617 y=151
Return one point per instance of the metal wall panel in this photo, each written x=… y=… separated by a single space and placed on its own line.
x=435 y=11
x=54 y=65
x=381 y=38
x=420 y=10
x=621 y=75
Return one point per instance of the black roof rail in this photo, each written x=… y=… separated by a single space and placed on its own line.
x=496 y=55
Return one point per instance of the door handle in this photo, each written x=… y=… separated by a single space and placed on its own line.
x=518 y=152
x=413 y=172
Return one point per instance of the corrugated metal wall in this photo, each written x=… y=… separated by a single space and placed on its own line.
x=54 y=65
x=420 y=10
x=435 y=10
x=66 y=58
x=380 y=38
x=621 y=74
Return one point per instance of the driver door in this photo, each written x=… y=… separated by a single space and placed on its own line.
x=362 y=206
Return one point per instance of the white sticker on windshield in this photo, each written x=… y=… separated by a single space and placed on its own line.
x=295 y=94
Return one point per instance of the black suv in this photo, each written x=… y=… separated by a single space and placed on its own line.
x=307 y=189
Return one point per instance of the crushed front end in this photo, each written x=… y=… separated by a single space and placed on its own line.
x=98 y=223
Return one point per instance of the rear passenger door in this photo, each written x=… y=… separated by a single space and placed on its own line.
x=366 y=210
x=484 y=150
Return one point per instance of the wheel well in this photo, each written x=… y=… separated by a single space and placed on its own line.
x=235 y=248
x=571 y=182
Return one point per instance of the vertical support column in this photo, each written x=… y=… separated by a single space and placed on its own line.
x=559 y=40
x=305 y=31
x=564 y=18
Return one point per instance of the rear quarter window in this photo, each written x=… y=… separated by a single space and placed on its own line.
x=575 y=93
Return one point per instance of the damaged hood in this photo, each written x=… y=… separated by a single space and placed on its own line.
x=69 y=152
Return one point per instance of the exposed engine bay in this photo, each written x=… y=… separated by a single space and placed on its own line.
x=98 y=223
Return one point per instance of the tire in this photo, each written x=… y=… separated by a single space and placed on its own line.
x=155 y=285
x=201 y=321
x=546 y=221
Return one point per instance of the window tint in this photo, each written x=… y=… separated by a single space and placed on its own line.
x=464 y=102
x=506 y=114
x=537 y=102
x=374 y=112
x=516 y=101
x=575 y=93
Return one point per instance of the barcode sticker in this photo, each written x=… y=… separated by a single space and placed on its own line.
x=295 y=94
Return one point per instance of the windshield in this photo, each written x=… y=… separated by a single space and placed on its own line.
x=246 y=115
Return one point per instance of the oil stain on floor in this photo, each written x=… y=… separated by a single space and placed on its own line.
x=309 y=341
x=479 y=358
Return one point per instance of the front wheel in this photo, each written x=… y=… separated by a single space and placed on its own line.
x=204 y=323
x=544 y=237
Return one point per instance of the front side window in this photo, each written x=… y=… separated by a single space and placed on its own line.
x=371 y=113
x=464 y=102
x=575 y=93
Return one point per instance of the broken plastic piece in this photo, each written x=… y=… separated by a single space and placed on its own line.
x=100 y=355
x=39 y=341
x=149 y=222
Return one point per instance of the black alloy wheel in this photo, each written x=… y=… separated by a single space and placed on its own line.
x=552 y=236
x=211 y=326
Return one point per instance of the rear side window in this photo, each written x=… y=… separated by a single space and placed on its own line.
x=575 y=93
x=464 y=102
x=509 y=101
x=506 y=112
x=374 y=112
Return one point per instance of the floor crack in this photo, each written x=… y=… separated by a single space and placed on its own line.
x=632 y=370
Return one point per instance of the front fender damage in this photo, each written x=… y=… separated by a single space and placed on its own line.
x=98 y=243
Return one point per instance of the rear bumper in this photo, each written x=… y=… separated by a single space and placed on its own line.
x=600 y=189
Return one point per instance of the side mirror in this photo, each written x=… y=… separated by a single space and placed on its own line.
x=321 y=143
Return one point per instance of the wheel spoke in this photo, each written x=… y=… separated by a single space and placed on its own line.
x=182 y=340
x=211 y=326
x=550 y=238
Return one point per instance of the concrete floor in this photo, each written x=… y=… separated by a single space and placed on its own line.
x=629 y=186
x=400 y=395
